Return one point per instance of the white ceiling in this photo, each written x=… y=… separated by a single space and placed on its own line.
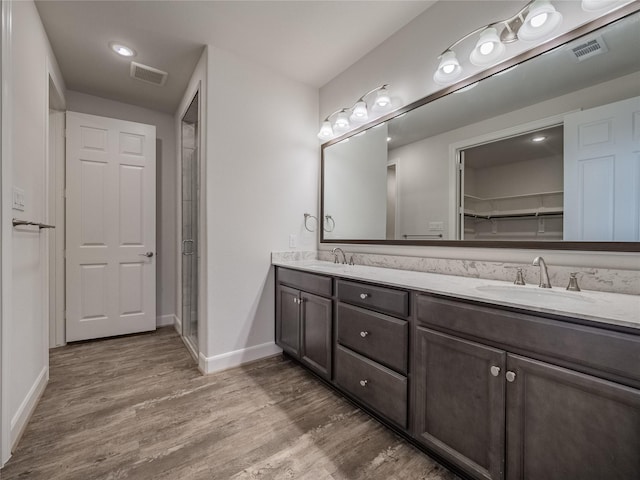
x=309 y=41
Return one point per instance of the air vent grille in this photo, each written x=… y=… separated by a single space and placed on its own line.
x=590 y=48
x=148 y=74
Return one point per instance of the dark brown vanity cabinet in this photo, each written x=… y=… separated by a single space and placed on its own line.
x=304 y=319
x=492 y=398
x=371 y=354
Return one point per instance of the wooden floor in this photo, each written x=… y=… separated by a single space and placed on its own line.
x=137 y=408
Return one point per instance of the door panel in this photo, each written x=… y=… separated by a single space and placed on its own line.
x=602 y=173
x=316 y=333
x=459 y=403
x=566 y=425
x=288 y=320
x=110 y=234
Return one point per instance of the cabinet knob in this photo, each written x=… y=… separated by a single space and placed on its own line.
x=495 y=371
x=364 y=334
x=510 y=376
x=364 y=296
x=363 y=383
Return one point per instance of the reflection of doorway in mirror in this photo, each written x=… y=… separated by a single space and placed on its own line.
x=392 y=201
x=602 y=173
x=512 y=188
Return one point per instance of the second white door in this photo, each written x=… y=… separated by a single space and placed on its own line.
x=110 y=233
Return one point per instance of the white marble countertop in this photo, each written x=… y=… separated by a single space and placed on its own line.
x=602 y=307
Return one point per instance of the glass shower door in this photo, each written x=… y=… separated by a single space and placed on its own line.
x=190 y=225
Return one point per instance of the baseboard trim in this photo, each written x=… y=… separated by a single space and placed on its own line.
x=166 y=320
x=236 y=358
x=27 y=407
x=177 y=324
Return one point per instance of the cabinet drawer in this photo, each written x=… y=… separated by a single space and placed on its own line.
x=382 y=389
x=308 y=282
x=377 y=336
x=585 y=348
x=395 y=302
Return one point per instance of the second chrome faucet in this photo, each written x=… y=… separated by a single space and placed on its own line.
x=544 y=274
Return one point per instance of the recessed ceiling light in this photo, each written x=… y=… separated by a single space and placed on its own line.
x=539 y=138
x=122 y=49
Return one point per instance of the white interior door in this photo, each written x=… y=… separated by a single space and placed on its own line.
x=602 y=173
x=110 y=241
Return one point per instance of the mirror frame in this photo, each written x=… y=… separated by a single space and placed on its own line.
x=622 y=12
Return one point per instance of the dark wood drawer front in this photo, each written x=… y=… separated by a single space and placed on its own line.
x=388 y=300
x=378 y=387
x=615 y=353
x=377 y=336
x=308 y=282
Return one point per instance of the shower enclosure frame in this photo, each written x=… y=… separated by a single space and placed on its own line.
x=190 y=252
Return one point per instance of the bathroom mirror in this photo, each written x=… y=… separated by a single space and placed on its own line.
x=543 y=153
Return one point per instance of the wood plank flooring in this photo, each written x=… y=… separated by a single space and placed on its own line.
x=137 y=408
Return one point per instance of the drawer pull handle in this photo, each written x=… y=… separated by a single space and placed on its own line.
x=495 y=371
x=364 y=296
x=364 y=334
x=511 y=376
x=363 y=383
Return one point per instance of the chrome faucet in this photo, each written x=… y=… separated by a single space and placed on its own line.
x=544 y=274
x=335 y=255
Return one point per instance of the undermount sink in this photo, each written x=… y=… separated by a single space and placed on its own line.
x=515 y=293
x=326 y=265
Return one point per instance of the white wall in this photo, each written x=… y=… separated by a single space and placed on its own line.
x=25 y=257
x=355 y=194
x=166 y=211
x=261 y=176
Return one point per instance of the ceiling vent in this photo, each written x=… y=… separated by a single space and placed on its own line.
x=589 y=49
x=148 y=74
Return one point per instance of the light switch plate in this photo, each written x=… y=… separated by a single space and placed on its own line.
x=18 y=199
x=293 y=241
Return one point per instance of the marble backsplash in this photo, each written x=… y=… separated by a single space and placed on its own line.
x=599 y=279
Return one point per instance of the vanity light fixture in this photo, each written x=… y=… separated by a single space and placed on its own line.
x=122 y=49
x=536 y=20
x=357 y=114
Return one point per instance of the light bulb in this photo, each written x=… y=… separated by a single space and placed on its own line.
x=448 y=70
x=122 y=49
x=489 y=48
x=382 y=98
x=326 y=132
x=486 y=48
x=539 y=20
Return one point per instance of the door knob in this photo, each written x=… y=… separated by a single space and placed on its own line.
x=146 y=254
x=510 y=376
x=495 y=371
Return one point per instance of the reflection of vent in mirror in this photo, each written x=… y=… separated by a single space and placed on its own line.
x=589 y=49
x=148 y=74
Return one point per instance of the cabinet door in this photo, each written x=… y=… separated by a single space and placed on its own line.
x=316 y=314
x=288 y=320
x=460 y=402
x=566 y=425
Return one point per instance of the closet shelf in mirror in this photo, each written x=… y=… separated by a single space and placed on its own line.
x=524 y=213
x=509 y=197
